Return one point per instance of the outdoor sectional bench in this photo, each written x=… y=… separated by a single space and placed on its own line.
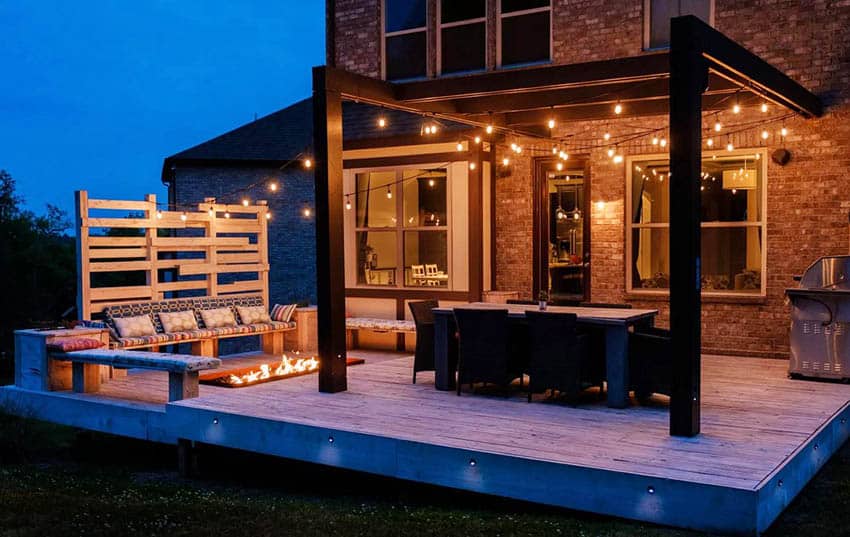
x=353 y=325
x=204 y=340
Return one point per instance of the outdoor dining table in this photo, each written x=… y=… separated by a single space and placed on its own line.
x=614 y=321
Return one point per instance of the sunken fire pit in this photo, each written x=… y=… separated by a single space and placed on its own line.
x=251 y=376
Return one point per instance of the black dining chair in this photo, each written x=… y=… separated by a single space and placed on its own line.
x=559 y=357
x=597 y=334
x=650 y=362
x=485 y=348
x=423 y=317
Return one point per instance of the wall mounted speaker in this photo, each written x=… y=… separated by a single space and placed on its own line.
x=781 y=156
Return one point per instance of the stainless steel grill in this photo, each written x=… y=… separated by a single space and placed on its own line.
x=820 y=320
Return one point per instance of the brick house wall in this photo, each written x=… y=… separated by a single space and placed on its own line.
x=807 y=200
x=292 y=236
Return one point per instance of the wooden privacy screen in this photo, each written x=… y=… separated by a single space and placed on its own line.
x=217 y=250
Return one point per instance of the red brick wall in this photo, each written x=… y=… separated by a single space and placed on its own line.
x=808 y=200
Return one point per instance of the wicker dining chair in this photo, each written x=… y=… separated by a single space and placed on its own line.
x=484 y=348
x=559 y=357
x=650 y=362
x=423 y=316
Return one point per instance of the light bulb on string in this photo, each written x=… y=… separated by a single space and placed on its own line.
x=159 y=214
x=431 y=183
x=477 y=139
x=389 y=193
x=736 y=108
x=489 y=129
x=183 y=216
x=563 y=155
x=555 y=150
x=226 y=212
x=471 y=165
x=729 y=145
x=606 y=136
x=211 y=212
x=709 y=142
x=308 y=163
x=783 y=131
x=245 y=202
x=717 y=126
x=506 y=161
x=551 y=123
x=268 y=215
x=663 y=142
x=273 y=186
x=764 y=107
x=559 y=166
x=307 y=212
x=610 y=152
x=382 y=122
x=347 y=202
x=618 y=108
x=655 y=140
x=765 y=135
x=460 y=146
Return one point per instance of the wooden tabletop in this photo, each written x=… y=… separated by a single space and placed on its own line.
x=589 y=315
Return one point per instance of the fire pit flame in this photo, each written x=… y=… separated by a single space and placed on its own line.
x=287 y=367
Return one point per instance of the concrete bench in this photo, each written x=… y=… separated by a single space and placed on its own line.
x=353 y=325
x=182 y=368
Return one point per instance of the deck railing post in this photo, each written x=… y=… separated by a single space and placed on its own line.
x=688 y=79
x=330 y=270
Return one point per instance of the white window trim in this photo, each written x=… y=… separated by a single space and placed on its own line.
x=441 y=26
x=761 y=224
x=500 y=16
x=385 y=34
x=647 y=21
x=400 y=228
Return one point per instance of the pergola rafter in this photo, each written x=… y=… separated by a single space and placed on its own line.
x=700 y=72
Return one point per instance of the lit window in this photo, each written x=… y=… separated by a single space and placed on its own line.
x=733 y=226
x=402 y=228
x=525 y=31
x=462 y=36
x=657 y=15
x=405 y=39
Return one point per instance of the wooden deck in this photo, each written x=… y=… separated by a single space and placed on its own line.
x=764 y=436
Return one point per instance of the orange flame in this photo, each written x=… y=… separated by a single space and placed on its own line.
x=287 y=367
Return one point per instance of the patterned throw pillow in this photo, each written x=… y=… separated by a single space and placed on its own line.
x=138 y=326
x=178 y=321
x=253 y=314
x=218 y=317
x=283 y=313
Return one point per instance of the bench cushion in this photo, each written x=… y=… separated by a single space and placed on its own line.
x=379 y=325
x=202 y=333
x=69 y=344
x=179 y=304
x=175 y=363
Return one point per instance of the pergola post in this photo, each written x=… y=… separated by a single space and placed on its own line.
x=330 y=270
x=688 y=80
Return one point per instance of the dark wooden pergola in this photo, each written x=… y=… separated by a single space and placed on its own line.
x=700 y=72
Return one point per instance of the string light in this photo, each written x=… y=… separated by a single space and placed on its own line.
x=606 y=136
x=159 y=214
x=389 y=193
x=783 y=131
x=663 y=142
x=308 y=163
x=555 y=150
x=717 y=126
x=709 y=142
x=489 y=129
x=226 y=213
x=765 y=135
x=506 y=161
x=273 y=187
x=245 y=202
x=348 y=202
x=513 y=146
x=563 y=155
x=559 y=166
x=618 y=108
x=655 y=140
x=618 y=159
x=211 y=212
x=382 y=122
x=736 y=108
x=610 y=152
x=551 y=123
x=431 y=183
x=307 y=212
x=477 y=139
x=268 y=215
x=729 y=146
x=471 y=165
x=764 y=107
x=183 y=216
x=460 y=146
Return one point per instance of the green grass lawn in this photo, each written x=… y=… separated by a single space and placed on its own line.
x=60 y=481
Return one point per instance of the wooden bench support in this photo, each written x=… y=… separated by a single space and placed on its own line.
x=272 y=343
x=182 y=385
x=85 y=378
x=204 y=347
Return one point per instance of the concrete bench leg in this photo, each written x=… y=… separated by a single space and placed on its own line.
x=272 y=343
x=85 y=378
x=182 y=385
x=205 y=347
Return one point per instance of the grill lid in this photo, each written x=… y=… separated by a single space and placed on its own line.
x=828 y=273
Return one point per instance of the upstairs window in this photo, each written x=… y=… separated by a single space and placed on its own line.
x=405 y=39
x=462 y=36
x=657 y=15
x=525 y=32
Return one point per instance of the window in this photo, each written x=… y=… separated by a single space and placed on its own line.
x=525 y=32
x=657 y=15
x=402 y=228
x=462 y=36
x=733 y=225
x=405 y=39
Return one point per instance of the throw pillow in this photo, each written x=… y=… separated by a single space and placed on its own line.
x=178 y=321
x=283 y=313
x=218 y=317
x=138 y=326
x=253 y=314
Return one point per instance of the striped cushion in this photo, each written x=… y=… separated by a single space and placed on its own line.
x=71 y=344
x=283 y=313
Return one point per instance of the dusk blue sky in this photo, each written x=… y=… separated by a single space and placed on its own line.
x=94 y=94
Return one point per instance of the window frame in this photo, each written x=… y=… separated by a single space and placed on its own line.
x=400 y=228
x=500 y=16
x=385 y=35
x=647 y=24
x=441 y=25
x=761 y=224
